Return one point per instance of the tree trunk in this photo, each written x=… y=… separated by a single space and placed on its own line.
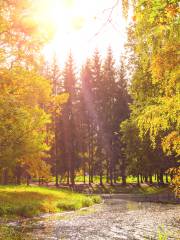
x=5 y=176
x=68 y=177
x=92 y=159
x=167 y=178
x=146 y=178
x=72 y=173
x=72 y=176
x=56 y=148
x=28 y=180
x=161 y=180
x=107 y=171
x=155 y=177
x=123 y=175
x=18 y=174
x=123 y=179
x=138 y=180
x=111 y=169
x=100 y=178
x=89 y=172
x=84 y=173
x=150 y=179
x=111 y=175
x=115 y=177
x=57 y=180
x=92 y=174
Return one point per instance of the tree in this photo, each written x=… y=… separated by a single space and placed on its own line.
x=21 y=37
x=108 y=97
x=23 y=122
x=70 y=120
x=87 y=113
x=155 y=87
x=96 y=113
x=121 y=112
x=24 y=93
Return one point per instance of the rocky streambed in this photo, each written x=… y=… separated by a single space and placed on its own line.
x=118 y=217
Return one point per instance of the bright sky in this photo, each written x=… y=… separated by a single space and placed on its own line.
x=81 y=26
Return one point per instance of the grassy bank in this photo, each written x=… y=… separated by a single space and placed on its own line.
x=30 y=201
x=119 y=188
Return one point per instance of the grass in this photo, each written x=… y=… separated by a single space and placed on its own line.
x=30 y=201
x=144 y=189
x=96 y=179
x=8 y=233
x=161 y=234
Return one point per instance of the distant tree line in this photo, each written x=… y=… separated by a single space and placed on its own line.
x=87 y=131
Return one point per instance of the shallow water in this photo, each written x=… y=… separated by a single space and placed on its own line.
x=114 y=219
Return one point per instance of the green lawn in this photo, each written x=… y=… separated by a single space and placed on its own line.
x=30 y=201
x=129 y=188
x=129 y=179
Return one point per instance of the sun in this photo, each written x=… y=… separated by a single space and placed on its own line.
x=60 y=13
x=74 y=24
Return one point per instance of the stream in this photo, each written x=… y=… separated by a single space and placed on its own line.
x=115 y=218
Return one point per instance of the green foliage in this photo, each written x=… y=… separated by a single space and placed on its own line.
x=162 y=234
x=21 y=36
x=155 y=86
x=23 y=121
x=24 y=93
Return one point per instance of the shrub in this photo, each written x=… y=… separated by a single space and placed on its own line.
x=27 y=211
x=96 y=199
x=87 y=202
x=67 y=206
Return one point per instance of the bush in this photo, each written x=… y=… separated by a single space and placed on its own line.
x=67 y=206
x=96 y=199
x=27 y=211
x=87 y=202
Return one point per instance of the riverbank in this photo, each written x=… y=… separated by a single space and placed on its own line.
x=118 y=188
x=114 y=219
x=142 y=192
x=19 y=202
x=29 y=201
x=150 y=192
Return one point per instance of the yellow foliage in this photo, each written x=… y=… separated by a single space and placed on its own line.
x=175 y=173
x=171 y=143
